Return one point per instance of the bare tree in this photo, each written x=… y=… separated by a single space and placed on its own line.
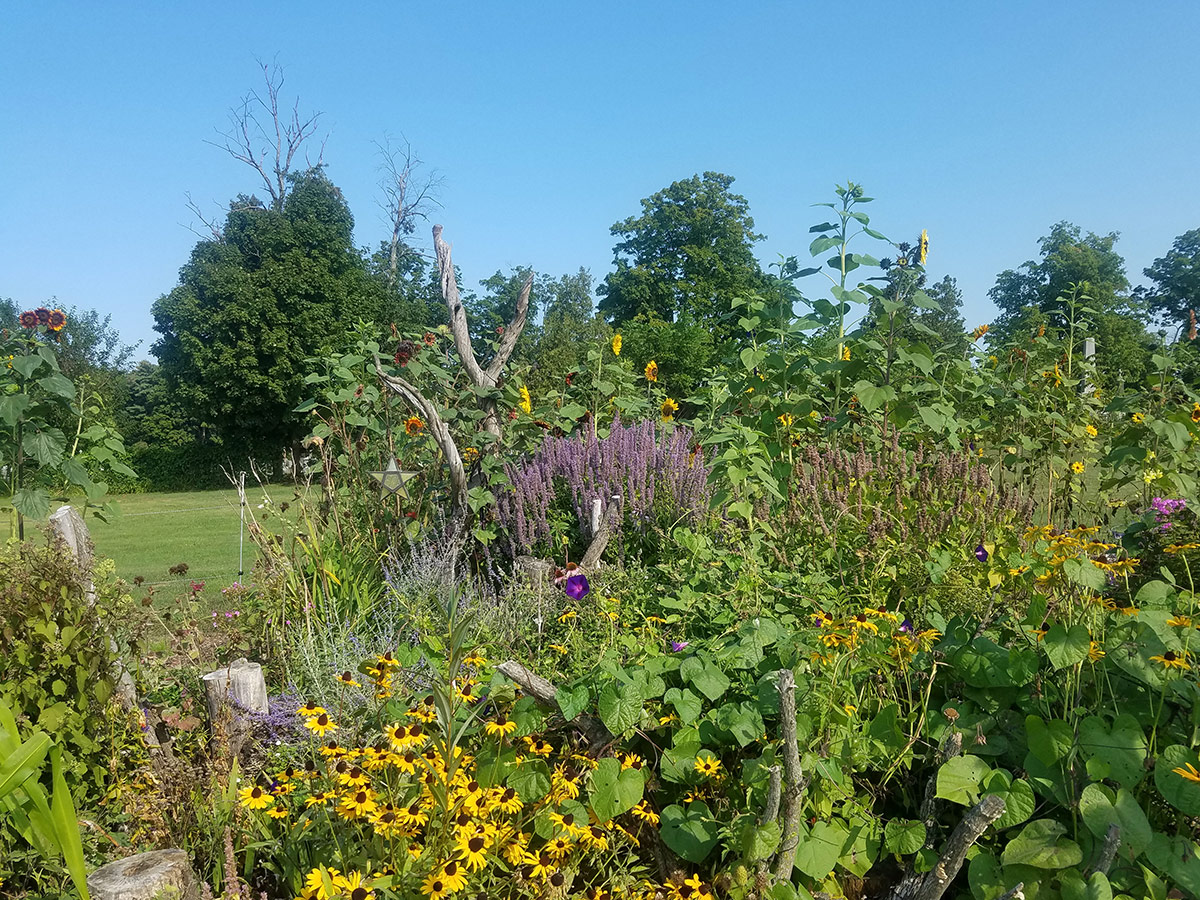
x=407 y=195
x=267 y=137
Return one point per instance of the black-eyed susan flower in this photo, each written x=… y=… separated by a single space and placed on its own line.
x=1077 y=467
x=358 y=805
x=434 y=887
x=355 y=886
x=1091 y=431
x=277 y=812
x=1040 y=631
x=314 y=882
x=539 y=746
x=645 y=813
x=475 y=658
x=1172 y=660
x=452 y=873
x=474 y=853
x=1180 y=621
x=1095 y=653
x=320 y=725
x=255 y=797
x=413 y=816
x=567 y=616
x=500 y=726
x=509 y=802
x=347 y=679
x=310 y=710
x=558 y=648
x=353 y=777
x=707 y=765
x=631 y=761
x=539 y=867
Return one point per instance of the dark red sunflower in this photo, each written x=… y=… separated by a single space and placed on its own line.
x=28 y=319
x=43 y=315
x=57 y=320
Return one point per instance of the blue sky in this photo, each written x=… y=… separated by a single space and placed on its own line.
x=984 y=123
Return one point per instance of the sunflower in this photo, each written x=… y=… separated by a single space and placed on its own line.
x=1077 y=467
x=58 y=319
x=43 y=315
x=707 y=765
x=616 y=344
x=28 y=319
x=321 y=724
x=668 y=409
x=1091 y=431
x=652 y=371
x=414 y=425
x=255 y=797
x=845 y=354
x=526 y=403
x=1171 y=660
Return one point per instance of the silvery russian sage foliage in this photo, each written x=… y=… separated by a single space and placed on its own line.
x=648 y=467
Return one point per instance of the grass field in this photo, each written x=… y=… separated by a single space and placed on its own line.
x=201 y=528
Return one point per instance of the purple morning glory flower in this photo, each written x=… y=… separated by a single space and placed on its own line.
x=981 y=553
x=676 y=646
x=906 y=626
x=577 y=587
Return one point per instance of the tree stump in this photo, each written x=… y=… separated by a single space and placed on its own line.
x=242 y=681
x=157 y=875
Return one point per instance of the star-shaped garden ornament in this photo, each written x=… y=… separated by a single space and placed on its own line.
x=392 y=479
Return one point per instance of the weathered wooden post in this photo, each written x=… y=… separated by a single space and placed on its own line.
x=241 y=681
x=69 y=527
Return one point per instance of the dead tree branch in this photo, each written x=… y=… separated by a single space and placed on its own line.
x=607 y=526
x=407 y=196
x=438 y=430
x=794 y=782
x=546 y=694
x=974 y=823
x=480 y=377
x=267 y=137
x=1108 y=850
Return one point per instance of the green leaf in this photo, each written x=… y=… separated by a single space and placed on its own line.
x=23 y=763
x=1073 y=886
x=960 y=779
x=1122 y=745
x=66 y=826
x=32 y=503
x=818 y=853
x=704 y=676
x=1179 y=859
x=25 y=366
x=620 y=707
x=686 y=703
x=1019 y=802
x=58 y=384
x=692 y=832
x=678 y=763
x=47 y=446
x=873 y=396
x=904 y=836
x=1100 y=808
x=12 y=406
x=1178 y=790
x=572 y=701
x=1042 y=844
x=1048 y=741
x=1066 y=648
x=760 y=841
x=531 y=780
x=615 y=790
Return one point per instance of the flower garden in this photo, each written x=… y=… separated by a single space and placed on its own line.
x=863 y=616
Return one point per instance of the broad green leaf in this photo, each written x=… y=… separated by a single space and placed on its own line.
x=1179 y=859
x=12 y=406
x=760 y=841
x=704 y=676
x=686 y=703
x=1174 y=772
x=1122 y=745
x=1100 y=808
x=819 y=852
x=572 y=701
x=1019 y=802
x=47 y=446
x=1066 y=647
x=904 y=836
x=615 y=790
x=1042 y=844
x=58 y=384
x=531 y=780
x=691 y=832
x=1074 y=887
x=620 y=707
x=32 y=503
x=960 y=780
x=1048 y=741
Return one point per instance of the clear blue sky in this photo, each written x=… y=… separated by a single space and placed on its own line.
x=982 y=122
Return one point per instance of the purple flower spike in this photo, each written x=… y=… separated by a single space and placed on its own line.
x=981 y=553
x=577 y=587
x=676 y=646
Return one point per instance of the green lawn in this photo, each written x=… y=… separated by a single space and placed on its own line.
x=201 y=528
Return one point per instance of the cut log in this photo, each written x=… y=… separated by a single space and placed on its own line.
x=157 y=875
x=241 y=681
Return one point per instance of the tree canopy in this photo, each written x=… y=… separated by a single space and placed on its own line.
x=278 y=287
x=687 y=256
x=1175 y=297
